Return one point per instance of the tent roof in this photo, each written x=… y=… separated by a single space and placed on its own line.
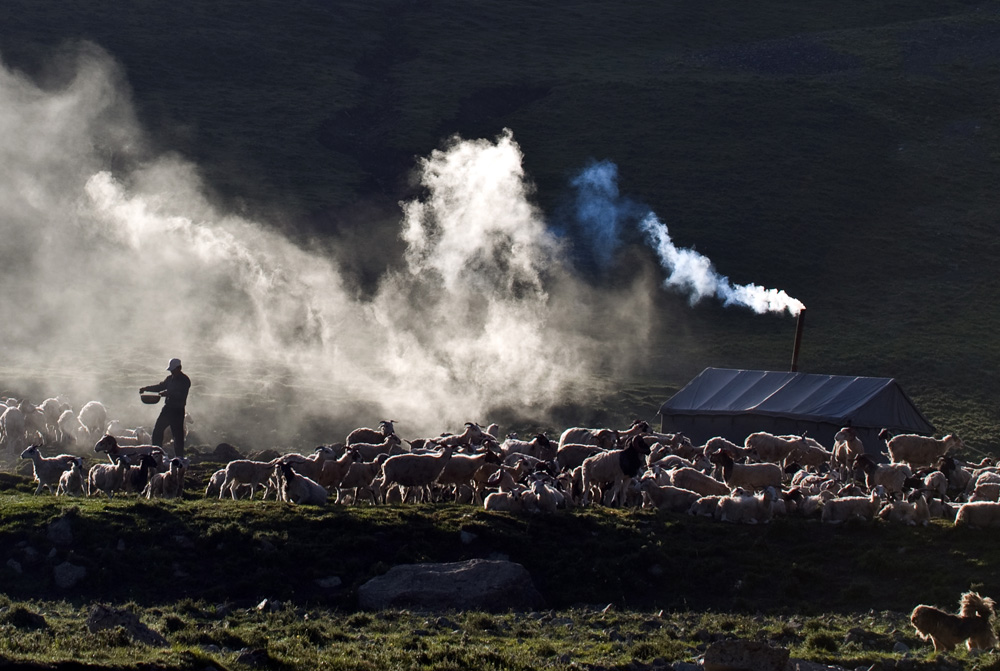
x=838 y=399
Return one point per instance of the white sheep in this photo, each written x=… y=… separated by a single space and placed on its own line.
x=666 y=497
x=310 y=466
x=706 y=506
x=385 y=429
x=847 y=446
x=771 y=448
x=334 y=470
x=890 y=476
x=572 y=455
x=752 y=477
x=296 y=488
x=604 y=438
x=910 y=513
x=978 y=514
x=361 y=479
x=461 y=469
x=70 y=430
x=93 y=416
x=505 y=501
x=808 y=452
x=73 y=481
x=13 y=435
x=47 y=470
x=615 y=468
x=390 y=445
x=414 y=471
x=247 y=472
x=541 y=497
x=920 y=451
x=107 y=478
x=802 y=504
x=696 y=481
x=51 y=409
x=539 y=447
x=744 y=508
x=842 y=509
x=170 y=484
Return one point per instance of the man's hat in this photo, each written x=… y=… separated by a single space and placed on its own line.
x=174 y=363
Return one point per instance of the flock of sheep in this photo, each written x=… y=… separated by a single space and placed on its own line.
x=766 y=477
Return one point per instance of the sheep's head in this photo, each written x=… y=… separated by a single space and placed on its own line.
x=30 y=452
x=106 y=444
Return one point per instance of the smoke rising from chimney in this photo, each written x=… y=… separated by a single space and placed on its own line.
x=689 y=272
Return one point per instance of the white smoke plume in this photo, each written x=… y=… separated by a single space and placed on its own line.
x=601 y=212
x=693 y=274
x=113 y=261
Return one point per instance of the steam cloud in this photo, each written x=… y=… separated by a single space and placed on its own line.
x=110 y=271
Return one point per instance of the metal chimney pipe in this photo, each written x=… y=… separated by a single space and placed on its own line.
x=798 y=339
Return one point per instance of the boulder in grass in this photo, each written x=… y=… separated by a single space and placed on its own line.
x=744 y=655
x=104 y=617
x=476 y=584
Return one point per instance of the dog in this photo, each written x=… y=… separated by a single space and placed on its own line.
x=972 y=624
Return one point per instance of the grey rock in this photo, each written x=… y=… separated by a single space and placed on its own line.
x=901 y=648
x=68 y=575
x=104 y=617
x=467 y=537
x=476 y=584
x=14 y=565
x=744 y=654
x=329 y=583
x=59 y=532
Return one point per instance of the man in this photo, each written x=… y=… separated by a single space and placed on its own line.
x=175 y=390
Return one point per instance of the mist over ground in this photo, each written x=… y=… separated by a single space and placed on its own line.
x=114 y=259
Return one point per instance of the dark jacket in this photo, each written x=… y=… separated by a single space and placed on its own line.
x=176 y=387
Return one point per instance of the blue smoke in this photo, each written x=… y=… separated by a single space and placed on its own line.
x=600 y=213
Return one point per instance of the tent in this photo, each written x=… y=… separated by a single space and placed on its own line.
x=735 y=403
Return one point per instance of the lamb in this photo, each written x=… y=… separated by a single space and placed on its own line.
x=366 y=435
x=912 y=512
x=107 y=478
x=73 y=481
x=137 y=476
x=93 y=416
x=847 y=446
x=742 y=508
x=47 y=470
x=838 y=510
x=297 y=488
x=615 y=467
x=978 y=514
x=753 y=477
x=414 y=470
x=890 y=476
x=541 y=497
x=247 y=472
x=334 y=470
x=706 y=506
x=170 y=484
x=666 y=497
x=920 y=451
x=771 y=448
x=361 y=478
x=215 y=481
